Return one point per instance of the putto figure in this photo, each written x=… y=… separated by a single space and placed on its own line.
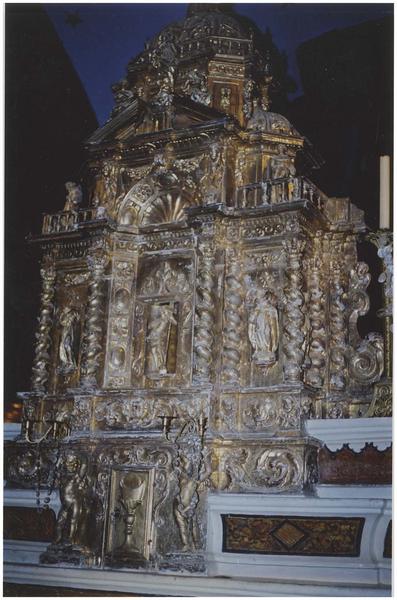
x=74 y=486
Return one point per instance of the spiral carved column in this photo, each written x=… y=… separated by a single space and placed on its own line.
x=93 y=335
x=294 y=318
x=338 y=329
x=317 y=345
x=232 y=320
x=42 y=356
x=205 y=318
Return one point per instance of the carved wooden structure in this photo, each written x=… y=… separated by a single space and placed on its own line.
x=198 y=305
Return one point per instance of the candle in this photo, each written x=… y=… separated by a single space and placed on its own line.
x=384 y=193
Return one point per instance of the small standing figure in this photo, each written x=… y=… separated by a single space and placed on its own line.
x=67 y=320
x=159 y=333
x=70 y=527
x=281 y=165
x=74 y=196
x=263 y=329
x=100 y=211
x=225 y=99
x=210 y=174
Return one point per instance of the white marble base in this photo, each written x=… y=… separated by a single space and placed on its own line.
x=355 y=432
x=370 y=568
x=174 y=585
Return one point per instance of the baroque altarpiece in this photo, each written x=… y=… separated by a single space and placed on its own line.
x=199 y=307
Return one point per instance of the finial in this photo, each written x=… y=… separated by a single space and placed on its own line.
x=198 y=8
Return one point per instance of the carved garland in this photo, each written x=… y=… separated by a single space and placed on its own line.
x=294 y=318
x=205 y=319
x=233 y=321
x=41 y=359
x=338 y=329
x=317 y=344
x=92 y=347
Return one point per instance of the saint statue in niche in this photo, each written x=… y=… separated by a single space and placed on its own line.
x=68 y=319
x=161 y=339
x=263 y=329
x=210 y=174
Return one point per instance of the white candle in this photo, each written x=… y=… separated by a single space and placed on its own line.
x=384 y=193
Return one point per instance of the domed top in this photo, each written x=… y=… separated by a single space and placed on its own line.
x=214 y=57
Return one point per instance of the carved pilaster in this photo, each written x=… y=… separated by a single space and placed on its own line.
x=294 y=318
x=42 y=356
x=205 y=317
x=93 y=335
x=338 y=328
x=232 y=319
x=317 y=337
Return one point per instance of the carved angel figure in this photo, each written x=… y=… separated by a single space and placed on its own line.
x=185 y=503
x=67 y=320
x=73 y=493
x=158 y=340
x=263 y=329
x=74 y=196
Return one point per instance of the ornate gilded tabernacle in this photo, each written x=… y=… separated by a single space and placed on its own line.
x=200 y=302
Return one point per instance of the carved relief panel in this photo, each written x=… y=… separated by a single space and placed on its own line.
x=121 y=310
x=128 y=533
x=163 y=322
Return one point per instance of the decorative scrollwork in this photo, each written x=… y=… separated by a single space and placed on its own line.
x=278 y=468
x=366 y=357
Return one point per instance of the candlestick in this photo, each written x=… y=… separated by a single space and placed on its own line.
x=384 y=193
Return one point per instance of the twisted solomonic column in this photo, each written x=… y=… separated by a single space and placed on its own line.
x=232 y=334
x=317 y=343
x=205 y=315
x=294 y=317
x=338 y=329
x=43 y=336
x=94 y=322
